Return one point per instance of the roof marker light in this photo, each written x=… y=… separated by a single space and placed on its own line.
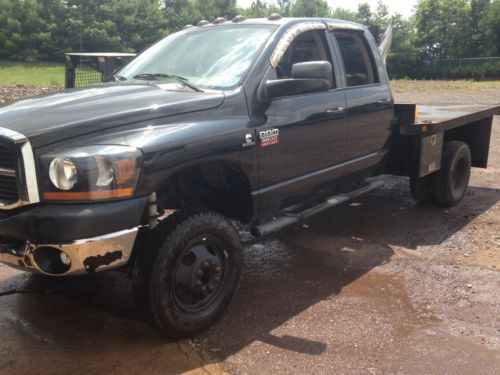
x=239 y=18
x=203 y=23
x=274 y=17
x=219 y=20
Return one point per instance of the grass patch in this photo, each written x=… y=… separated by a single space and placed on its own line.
x=413 y=85
x=36 y=74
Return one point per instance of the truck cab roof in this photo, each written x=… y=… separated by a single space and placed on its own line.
x=277 y=20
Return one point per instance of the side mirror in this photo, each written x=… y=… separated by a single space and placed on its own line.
x=307 y=77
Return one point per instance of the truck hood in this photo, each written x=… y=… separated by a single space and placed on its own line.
x=54 y=117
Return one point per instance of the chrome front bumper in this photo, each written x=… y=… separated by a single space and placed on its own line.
x=75 y=258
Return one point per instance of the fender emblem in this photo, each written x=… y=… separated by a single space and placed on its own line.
x=269 y=137
x=249 y=141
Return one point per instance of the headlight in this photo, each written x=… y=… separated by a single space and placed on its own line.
x=62 y=173
x=91 y=173
x=106 y=174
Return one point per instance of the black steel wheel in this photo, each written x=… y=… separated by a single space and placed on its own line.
x=451 y=181
x=188 y=273
x=198 y=276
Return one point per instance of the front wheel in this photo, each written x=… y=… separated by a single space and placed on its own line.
x=188 y=273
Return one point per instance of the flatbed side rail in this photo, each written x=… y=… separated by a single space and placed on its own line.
x=437 y=119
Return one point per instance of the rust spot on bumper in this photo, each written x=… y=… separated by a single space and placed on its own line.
x=92 y=263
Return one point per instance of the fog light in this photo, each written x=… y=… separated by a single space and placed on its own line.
x=65 y=259
x=51 y=260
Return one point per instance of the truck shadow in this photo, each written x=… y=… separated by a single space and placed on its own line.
x=285 y=275
x=312 y=262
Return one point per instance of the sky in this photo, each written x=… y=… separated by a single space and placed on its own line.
x=400 y=6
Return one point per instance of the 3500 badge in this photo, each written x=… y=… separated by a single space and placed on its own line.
x=269 y=137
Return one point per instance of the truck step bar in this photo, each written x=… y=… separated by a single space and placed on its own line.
x=289 y=219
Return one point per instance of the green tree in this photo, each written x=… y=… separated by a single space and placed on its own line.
x=141 y=23
x=91 y=26
x=284 y=7
x=345 y=14
x=310 y=8
x=443 y=28
x=30 y=30
x=211 y=9
x=179 y=13
x=257 y=9
x=381 y=17
x=45 y=29
x=477 y=38
x=365 y=13
x=404 y=59
x=489 y=27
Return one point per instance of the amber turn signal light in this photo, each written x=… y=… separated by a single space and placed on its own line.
x=88 y=195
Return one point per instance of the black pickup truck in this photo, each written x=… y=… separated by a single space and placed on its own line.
x=261 y=121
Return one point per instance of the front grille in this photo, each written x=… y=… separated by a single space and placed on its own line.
x=8 y=180
x=6 y=160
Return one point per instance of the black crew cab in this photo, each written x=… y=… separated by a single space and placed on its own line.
x=263 y=121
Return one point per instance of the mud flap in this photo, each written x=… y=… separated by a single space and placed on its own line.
x=431 y=150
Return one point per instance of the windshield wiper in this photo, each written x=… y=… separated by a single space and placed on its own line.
x=157 y=76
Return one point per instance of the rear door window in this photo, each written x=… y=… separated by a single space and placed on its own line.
x=358 y=59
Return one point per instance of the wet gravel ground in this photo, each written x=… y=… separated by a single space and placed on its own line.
x=380 y=285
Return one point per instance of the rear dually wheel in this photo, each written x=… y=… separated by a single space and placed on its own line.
x=448 y=186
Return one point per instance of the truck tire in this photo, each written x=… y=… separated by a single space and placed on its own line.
x=421 y=189
x=188 y=273
x=451 y=181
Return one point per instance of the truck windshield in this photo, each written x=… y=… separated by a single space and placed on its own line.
x=209 y=57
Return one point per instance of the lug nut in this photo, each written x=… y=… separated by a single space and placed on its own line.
x=210 y=287
x=199 y=283
x=204 y=290
x=213 y=263
x=217 y=279
x=199 y=273
x=218 y=269
x=206 y=264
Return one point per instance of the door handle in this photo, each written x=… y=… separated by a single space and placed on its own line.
x=385 y=101
x=335 y=110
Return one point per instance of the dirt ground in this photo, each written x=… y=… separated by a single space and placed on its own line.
x=380 y=285
x=13 y=92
